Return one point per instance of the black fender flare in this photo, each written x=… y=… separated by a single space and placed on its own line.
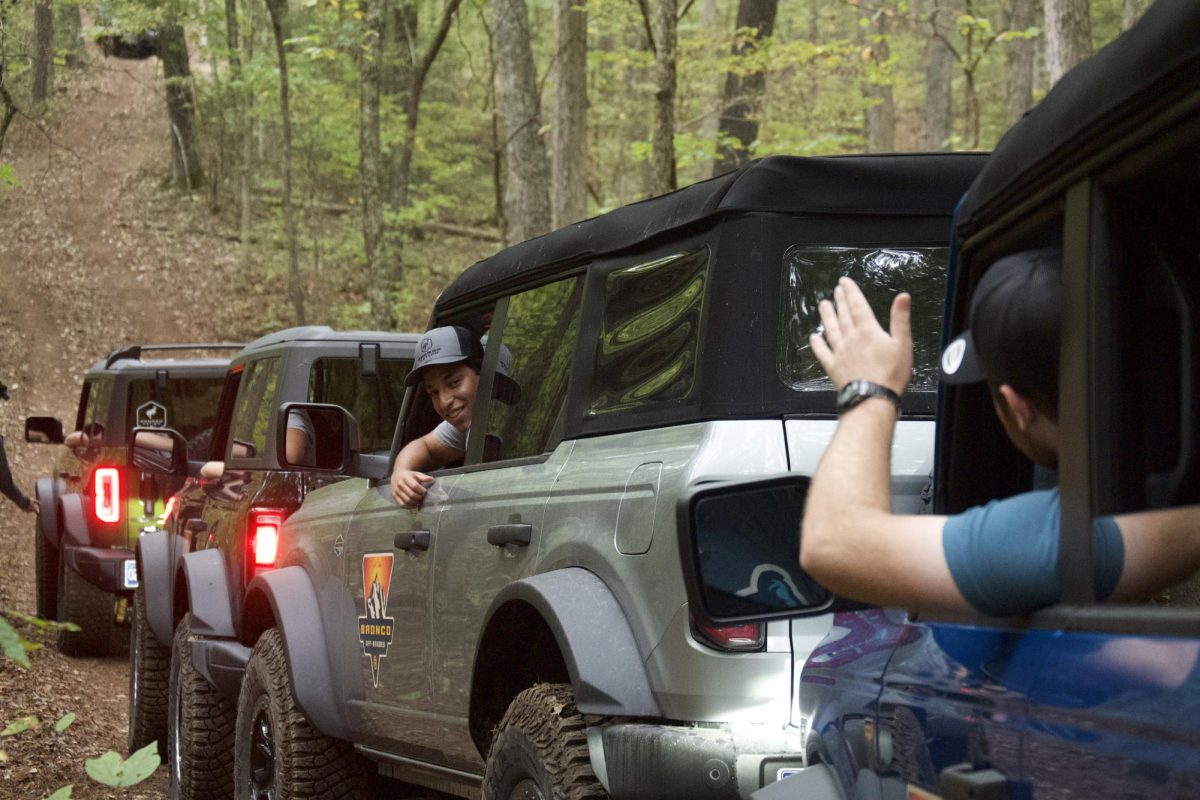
x=155 y=572
x=47 y=490
x=296 y=608
x=208 y=594
x=594 y=637
x=75 y=523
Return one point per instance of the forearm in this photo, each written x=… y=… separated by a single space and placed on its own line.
x=851 y=488
x=414 y=456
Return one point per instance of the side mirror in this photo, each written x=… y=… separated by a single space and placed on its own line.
x=315 y=437
x=740 y=546
x=159 y=450
x=43 y=430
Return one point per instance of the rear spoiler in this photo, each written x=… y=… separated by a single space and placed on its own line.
x=135 y=352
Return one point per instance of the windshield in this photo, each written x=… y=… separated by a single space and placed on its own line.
x=809 y=275
x=187 y=405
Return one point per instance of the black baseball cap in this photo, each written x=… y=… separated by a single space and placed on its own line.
x=1015 y=321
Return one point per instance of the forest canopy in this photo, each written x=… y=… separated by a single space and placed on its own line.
x=364 y=152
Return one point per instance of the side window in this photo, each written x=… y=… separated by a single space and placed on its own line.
x=539 y=342
x=253 y=409
x=809 y=275
x=1146 y=461
x=651 y=336
x=95 y=415
x=373 y=400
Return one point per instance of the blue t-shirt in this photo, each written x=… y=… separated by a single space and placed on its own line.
x=1004 y=556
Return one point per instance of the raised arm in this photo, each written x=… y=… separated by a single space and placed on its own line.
x=409 y=480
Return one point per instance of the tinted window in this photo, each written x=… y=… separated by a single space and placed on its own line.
x=809 y=275
x=540 y=339
x=373 y=400
x=187 y=405
x=254 y=407
x=99 y=394
x=651 y=334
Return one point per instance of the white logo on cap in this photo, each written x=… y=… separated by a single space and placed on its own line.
x=953 y=357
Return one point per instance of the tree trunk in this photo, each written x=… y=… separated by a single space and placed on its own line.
x=570 y=113
x=1021 y=58
x=939 y=76
x=743 y=93
x=527 y=171
x=662 y=139
x=68 y=33
x=713 y=92
x=43 y=56
x=880 y=118
x=371 y=164
x=1068 y=35
x=278 y=11
x=1131 y=10
x=186 y=171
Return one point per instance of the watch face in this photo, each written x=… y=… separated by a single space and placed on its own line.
x=848 y=393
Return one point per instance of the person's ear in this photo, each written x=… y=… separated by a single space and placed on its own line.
x=1019 y=406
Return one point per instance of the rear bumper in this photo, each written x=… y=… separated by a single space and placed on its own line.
x=637 y=761
x=104 y=567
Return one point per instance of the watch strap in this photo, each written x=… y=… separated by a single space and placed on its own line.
x=857 y=391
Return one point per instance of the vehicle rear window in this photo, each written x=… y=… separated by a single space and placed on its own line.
x=374 y=400
x=187 y=405
x=651 y=336
x=809 y=275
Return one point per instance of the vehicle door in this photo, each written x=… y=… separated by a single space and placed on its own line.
x=228 y=498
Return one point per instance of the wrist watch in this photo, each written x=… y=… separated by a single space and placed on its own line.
x=855 y=392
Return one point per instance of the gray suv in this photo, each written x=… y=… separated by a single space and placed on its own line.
x=526 y=632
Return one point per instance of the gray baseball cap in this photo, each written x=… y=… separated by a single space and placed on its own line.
x=451 y=344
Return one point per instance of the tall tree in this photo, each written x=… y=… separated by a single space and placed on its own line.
x=527 y=170
x=1131 y=10
x=278 y=11
x=569 y=193
x=1020 y=58
x=939 y=74
x=744 y=88
x=187 y=173
x=1068 y=35
x=8 y=106
x=879 y=118
x=371 y=162
x=68 y=32
x=43 y=56
x=664 y=29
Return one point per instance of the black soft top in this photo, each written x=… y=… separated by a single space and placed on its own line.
x=918 y=184
x=1152 y=61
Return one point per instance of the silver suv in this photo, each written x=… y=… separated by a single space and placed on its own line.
x=526 y=633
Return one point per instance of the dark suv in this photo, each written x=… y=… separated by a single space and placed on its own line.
x=95 y=505
x=526 y=631
x=186 y=653
x=1080 y=699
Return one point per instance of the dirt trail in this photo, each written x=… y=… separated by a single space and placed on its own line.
x=93 y=254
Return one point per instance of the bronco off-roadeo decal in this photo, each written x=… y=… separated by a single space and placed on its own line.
x=375 y=629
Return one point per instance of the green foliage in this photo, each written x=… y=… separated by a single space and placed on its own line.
x=13 y=644
x=111 y=770
x=20 y=725
x=62 y=794
x=64 y=722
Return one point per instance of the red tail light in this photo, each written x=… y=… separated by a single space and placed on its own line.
x=263 y=541
x=106 y=494
x=742 y=638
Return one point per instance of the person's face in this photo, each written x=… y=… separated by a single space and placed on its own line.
x=452 y=387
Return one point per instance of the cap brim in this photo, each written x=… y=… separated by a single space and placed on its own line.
x=960 y=362
x=414 y=377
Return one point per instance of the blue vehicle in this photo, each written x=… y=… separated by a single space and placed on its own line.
x=1081 y=699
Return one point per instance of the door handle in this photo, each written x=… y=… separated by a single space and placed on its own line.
x=966 y=782
x=412 y=540
x=518 y=533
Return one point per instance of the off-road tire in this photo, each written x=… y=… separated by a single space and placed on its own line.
x=89 y=607
x=200 y=725
x=45 y=560
x=279 y=753
x=540 y=749
x=149 y=681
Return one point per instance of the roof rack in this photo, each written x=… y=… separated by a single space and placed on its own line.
x=134 y=352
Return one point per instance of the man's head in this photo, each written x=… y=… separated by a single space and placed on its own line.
x=1012 y=343
x=447 y=364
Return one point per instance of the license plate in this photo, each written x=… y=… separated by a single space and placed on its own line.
x=130 y=574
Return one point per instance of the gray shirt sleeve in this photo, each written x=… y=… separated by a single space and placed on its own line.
x=451 y=436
